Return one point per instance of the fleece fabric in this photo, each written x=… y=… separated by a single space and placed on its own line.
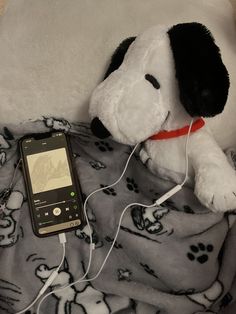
x=53 y=53
x=175 y=258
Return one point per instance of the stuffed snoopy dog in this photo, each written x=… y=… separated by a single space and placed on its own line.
x=155 y=85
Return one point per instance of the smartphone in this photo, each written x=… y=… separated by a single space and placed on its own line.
x=52 y=186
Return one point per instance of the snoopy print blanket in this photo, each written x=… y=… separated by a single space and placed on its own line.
x=177 y=258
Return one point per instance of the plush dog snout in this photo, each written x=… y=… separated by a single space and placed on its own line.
x=99 y=129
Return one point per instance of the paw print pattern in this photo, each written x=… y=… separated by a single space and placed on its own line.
x=108 y=191
x=200 y=252
x=84 y=234
x=98 y=165
x=131 y=185
x=149 y=270
x=103 y=146
x=124 y=274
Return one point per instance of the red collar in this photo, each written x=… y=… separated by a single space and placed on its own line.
x=163 y=135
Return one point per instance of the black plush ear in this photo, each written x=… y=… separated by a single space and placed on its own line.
x=97 y=128
x=202 y=77
x=119 y=55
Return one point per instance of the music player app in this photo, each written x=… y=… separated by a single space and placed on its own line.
x=55 y=202
x=49 y=170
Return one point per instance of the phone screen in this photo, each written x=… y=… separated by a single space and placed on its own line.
x=54 y=195
x=49 y=170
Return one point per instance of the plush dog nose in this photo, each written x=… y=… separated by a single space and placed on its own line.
x=99 y=129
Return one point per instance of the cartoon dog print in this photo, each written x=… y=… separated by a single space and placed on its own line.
x=3 y=158
x=124 y=274
x=207 y=297
x=149 y=218
x=8 y=233
x=10 y=293
x=83 y=234
x=98 y=165
x=57 y=124
x=88 y=299
x=81 y=130
x=4 y=144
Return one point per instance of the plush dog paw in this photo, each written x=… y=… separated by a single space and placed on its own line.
x=215 y=188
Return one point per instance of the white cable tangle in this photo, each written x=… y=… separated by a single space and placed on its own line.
x=91 y=247
x=51 y=278
x=164 y=197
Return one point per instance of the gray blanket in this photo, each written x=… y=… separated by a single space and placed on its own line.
x=178 y=258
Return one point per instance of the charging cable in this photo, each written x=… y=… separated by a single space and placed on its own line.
x=62 y=239
x=158 y=202
x=89 y=264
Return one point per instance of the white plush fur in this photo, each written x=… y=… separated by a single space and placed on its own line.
x=133 y=110
x=127 y=103
x=53 y=53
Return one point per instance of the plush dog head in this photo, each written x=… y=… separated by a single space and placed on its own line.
x=158 y=81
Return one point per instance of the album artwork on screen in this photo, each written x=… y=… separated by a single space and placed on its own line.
x=49 y=170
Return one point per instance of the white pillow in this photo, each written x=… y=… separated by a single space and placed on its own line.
x=54 y=52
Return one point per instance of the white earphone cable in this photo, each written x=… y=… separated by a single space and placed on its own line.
x=51 y=278
x=157 y=202
x=186 y=154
